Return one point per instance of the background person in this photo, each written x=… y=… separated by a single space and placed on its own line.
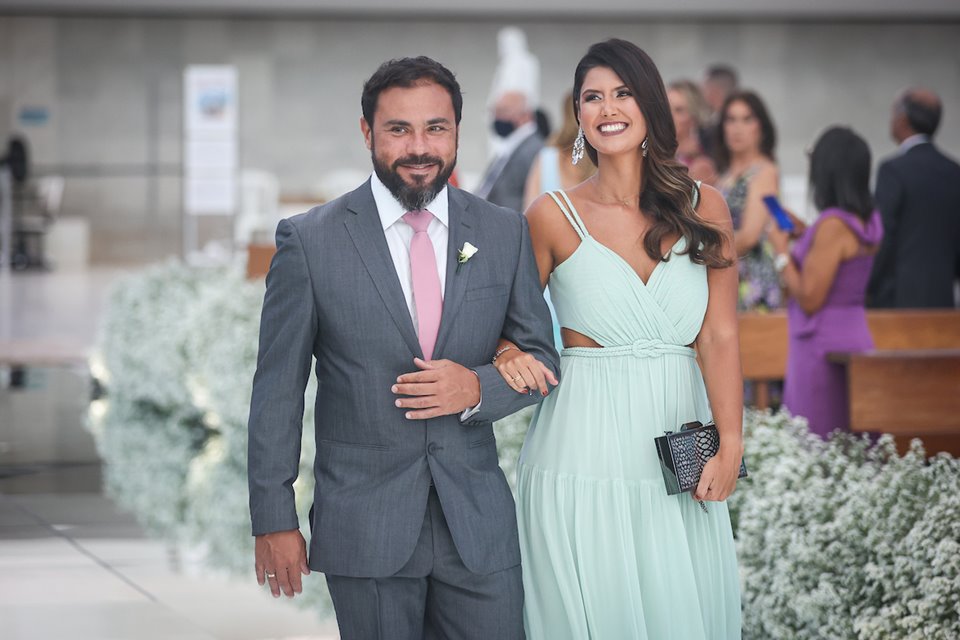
x=514 y=122
x=918 y=193
x=825 y=276
x=689 y=114
x=748 y=172
x=719 y=82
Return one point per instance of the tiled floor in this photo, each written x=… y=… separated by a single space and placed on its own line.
x=74 y=566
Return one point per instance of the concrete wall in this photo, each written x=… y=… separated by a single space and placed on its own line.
x=113 y=90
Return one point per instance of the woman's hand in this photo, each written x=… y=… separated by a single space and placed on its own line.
x=524 y=372
x=719 y=477
x=799 y=226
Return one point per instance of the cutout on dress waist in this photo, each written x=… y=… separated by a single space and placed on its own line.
x=589 y=343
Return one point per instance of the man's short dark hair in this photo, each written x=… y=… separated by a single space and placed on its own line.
x=407 y=73
x=923 y=116
x=723 y=74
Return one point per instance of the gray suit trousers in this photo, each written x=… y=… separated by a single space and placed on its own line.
x=433 y=596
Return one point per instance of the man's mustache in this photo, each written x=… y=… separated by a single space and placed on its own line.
x=422 y=159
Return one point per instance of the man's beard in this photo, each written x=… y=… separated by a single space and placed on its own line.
x=413 y=197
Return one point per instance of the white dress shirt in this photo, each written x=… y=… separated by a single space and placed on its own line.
x=399 y=234
x=912 y=141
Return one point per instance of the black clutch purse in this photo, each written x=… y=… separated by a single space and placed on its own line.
x=684 y=453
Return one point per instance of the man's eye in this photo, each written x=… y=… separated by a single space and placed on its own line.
x=437 y=128
x=397 y=129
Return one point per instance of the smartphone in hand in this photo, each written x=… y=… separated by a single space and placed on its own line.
x=778 y=213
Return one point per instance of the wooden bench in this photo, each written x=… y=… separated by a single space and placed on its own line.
x=258 y=260
x=908 y=386
x=907 y=393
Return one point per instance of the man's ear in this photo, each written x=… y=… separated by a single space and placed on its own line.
x=367 y=133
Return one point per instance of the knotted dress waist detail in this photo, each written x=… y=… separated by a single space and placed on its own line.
x=642 y=348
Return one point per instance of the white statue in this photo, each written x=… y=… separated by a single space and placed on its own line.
x=518 y=70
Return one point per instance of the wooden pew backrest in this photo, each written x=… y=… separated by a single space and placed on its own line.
x=764 y=341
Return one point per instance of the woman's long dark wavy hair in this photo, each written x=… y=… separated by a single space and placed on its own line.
x=667 y=189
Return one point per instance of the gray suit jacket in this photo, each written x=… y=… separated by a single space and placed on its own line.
x=507 y=189
x=334 y=295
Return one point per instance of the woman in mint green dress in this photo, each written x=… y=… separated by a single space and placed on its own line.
x=641 y=266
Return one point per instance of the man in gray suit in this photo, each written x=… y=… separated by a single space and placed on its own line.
x=413 y=522
x=506 y=177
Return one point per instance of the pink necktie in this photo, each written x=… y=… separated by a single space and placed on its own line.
x=427 y=298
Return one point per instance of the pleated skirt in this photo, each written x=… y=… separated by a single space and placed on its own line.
x=606 y=553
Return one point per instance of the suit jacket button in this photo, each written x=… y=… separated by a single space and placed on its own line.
x=432 y=448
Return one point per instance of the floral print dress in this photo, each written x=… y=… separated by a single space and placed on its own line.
x=759 y=281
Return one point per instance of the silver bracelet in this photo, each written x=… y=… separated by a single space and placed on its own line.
x=781 y=261
x=500 y=352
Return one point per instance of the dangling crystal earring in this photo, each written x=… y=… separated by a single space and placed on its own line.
x=644 y=147
x=577 y=154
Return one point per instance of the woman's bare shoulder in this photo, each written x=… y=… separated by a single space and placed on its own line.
x=713 y=207
x=766 y=169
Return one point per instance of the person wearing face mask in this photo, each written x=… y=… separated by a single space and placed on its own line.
x=519 y=143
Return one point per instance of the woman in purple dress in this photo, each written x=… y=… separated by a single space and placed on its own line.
x=825 y=276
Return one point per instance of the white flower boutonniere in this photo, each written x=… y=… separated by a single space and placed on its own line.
x=465 y=254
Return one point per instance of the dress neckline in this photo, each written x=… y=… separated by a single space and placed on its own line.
x=623 y=261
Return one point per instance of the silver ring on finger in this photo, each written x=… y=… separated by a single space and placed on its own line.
x=517 y=377
x=270 y=575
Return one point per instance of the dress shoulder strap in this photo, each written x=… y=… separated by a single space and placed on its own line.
x=569 y=212
x=695 y=198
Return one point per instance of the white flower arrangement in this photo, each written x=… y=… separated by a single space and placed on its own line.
x=843 y=539
x=835 y=539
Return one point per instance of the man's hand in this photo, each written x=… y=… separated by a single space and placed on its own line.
x=280 y=558
x=440 y=388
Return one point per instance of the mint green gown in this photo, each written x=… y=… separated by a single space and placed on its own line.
x=607 y=554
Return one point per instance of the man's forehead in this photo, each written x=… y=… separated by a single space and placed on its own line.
x=423 y=102
x=419 y=90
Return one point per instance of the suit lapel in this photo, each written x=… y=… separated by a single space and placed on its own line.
x=462 y=229
x=363 y=225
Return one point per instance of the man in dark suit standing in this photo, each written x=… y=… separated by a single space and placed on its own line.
x=918 y=193
x=400 y=292
x=506 y=176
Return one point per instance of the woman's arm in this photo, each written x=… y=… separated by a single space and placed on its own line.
x=521 y=370
x=755 y=217
x=719 y=347
x=832 y=243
